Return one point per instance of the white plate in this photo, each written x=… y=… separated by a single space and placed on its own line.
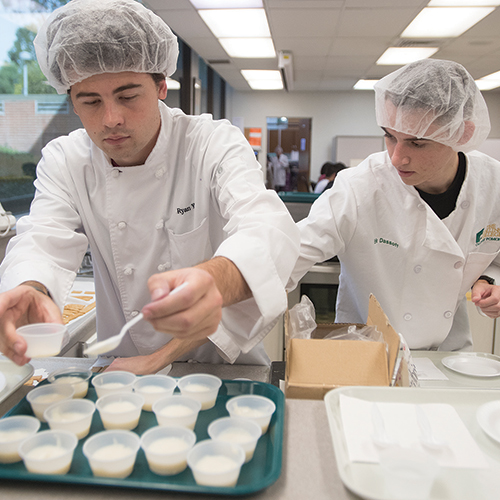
x=488 y=417
x=474 y=364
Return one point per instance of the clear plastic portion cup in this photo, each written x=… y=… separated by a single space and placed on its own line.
x=73 y=415
x=236 y=430
x=257 y=408
x=409 y=474
x=43 y=339
x=48 y=452
x=121 y=410
x=216 y=463
x=177 y=410
x=166 y=448
x=112 y=382
x=154 y=387
x=13 y=430
x=42 y=397
x=112 y=453
x=77 y=377
x=202 y=387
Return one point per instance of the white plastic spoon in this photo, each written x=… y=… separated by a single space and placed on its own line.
x=427 y=437
x=113 y=342
x=380 y=436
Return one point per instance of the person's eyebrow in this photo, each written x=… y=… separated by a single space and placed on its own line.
x=409 y=139
x=128 y=86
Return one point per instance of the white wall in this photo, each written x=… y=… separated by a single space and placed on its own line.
x=332 y=113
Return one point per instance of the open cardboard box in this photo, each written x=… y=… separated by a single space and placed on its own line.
x=315 y=366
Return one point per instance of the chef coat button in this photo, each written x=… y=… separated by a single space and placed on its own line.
x=421 y=207
x=161 y=268
x=465 y=204
x=128 y=271
x=417 y=268
x=159 y=225
x=134 y=314
x=407 y=317
x=122 y=225
x=220 y=170
x=116 y=173
x=159 y=173
x=458 y=264
x=448 y=314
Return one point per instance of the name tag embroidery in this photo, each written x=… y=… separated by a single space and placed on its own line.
x=182 y=211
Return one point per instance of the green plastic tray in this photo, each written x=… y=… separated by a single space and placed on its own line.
x=262 y=471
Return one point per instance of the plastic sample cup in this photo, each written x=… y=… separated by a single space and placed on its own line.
x=14 y=430
x=48 y=452
x=202 y=387
x=242 y=431
x=166 y=448
x=43 y=339
x=120 y=410
x=112 y=453
x=77 y=377
x=177 y=410
x=112 y=382
x=42 y=397
x=409 y=474
x=73 y=415
x=257 y=408
x=216 y=463
x=154 y=387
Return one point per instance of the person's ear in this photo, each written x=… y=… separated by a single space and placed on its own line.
x=162 y=90
x=469 y=129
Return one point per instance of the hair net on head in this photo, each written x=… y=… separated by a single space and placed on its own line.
x=89 y=37
x=434 y=99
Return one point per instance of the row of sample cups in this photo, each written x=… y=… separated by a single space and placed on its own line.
x=215 y=461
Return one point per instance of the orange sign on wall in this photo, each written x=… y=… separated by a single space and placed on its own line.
x=254 y=136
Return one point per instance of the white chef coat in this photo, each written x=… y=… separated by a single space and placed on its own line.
x=390 y=243
x=200 y=194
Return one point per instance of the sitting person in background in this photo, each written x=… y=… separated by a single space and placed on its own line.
x=338 y=167
x=329 y=170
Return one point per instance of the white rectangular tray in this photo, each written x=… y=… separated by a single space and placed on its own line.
x=366 y=480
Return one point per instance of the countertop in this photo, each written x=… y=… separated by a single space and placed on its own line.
x=309 y=468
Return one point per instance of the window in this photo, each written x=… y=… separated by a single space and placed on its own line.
x=52 y=107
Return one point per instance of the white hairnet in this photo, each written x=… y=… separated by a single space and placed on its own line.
x=434 y=99
x=89 y=37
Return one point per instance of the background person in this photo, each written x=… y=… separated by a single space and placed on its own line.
x=419 y=224
x=280 y=169
x=162 y=198
x=330 y=172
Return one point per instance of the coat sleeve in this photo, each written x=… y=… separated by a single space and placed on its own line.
x=262 y=239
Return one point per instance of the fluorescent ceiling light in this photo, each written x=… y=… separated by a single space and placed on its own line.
x=236 y=23
x=445 y=22
x=463 y=3
x=226 y=4
x=173 y=84
x=260 y=79
x=405 y=55
x=257 y=48
x=365 y=84
x=489 y=82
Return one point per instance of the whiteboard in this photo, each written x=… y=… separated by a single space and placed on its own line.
x=352 y=149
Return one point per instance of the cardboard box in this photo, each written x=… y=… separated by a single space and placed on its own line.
x=315 y=366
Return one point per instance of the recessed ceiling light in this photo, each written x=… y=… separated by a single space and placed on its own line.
x=226 y=4
x=257 y=48
x=405 y=55
x=365 y=84
x=445 y=22
x=236 y=23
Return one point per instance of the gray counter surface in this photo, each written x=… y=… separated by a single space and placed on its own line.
x=309 y=468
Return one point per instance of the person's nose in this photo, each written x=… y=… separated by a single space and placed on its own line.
x=112 y=116
x=399 y=156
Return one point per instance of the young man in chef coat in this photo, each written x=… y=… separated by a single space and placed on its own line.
x=417 y=225
x=162 y=198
